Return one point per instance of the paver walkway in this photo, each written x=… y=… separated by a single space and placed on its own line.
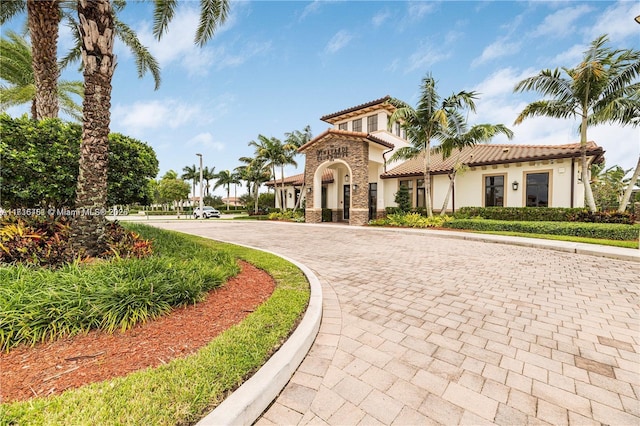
x=421 y=330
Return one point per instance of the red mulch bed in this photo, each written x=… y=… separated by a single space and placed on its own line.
x=51 y=368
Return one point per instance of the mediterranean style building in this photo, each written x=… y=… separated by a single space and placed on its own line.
x=348 y=172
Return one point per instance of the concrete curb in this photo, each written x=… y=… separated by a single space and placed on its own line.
x=248 y=402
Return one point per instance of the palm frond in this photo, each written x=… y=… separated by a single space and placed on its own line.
x=550 y=108
x=144 y=60
x=16 y=95
x=163 y=13
x=74 y=54
x=213 y=13
x=405 y=153
x=9 y=9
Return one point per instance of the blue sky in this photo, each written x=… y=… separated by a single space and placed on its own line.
x=276 y=66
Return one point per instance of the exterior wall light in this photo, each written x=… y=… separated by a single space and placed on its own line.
x=309 y=189
x=514 y=185
x=289 y=195
x=355 y=187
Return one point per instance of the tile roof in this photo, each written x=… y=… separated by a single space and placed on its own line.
x=298 y=180
x=329 y=118
x=345 y=134
x=482 y=155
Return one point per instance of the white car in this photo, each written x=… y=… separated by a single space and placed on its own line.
x=207 y=212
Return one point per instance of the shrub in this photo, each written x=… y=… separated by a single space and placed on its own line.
x=327 y=215
x=547 y=214
x=44 y=241
x=288 y=215
x=607 y=231
x=410 y=220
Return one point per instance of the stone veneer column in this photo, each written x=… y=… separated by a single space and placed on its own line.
x=357 y=157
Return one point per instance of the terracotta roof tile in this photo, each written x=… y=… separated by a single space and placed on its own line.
x=355 y=108
x=481 y=155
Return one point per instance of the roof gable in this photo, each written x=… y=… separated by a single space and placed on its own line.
x=330 y=134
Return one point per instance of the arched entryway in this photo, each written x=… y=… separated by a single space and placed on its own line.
x=333 y=196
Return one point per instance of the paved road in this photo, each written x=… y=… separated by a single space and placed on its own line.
x=419 y=329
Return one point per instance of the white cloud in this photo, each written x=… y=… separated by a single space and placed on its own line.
x=151 y=115
x=425 y=57
x=617 y=21
x=568 y=58
x=417 y=10
x=380 y=17
x=205 y=140
x=338 y=41
x=495 y=50
x=311 y=8
x=177 y=45
x=561 y=23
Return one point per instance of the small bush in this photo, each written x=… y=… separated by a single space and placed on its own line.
x=410 y=220
x=288 y=215
x=327 y=215
x=608 y=231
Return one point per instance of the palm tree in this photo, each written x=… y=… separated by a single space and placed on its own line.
x=600 y=89
x=276 y=154
x=225 y=178
x=256 y=172
x=421 y=124
x=16 y=68
x=191 y=173
x=207 y=176
x=97 y=33
x=458 y=136
x=43 y=19
x=298 y=138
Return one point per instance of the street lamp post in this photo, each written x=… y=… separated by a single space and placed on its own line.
x=201 y=201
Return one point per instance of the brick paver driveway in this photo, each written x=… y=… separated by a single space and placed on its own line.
x=425 y=330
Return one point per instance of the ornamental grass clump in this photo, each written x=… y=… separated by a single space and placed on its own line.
x=41 y=304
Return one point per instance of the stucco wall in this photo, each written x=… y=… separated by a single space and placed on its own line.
x=469 y=188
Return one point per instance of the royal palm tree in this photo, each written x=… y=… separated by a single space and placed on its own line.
x=602 y=88
x=224 y=179
x=276 y=154
x=458 y=136
x=97 y=34
x=191 y=173
x=207 y=176
x=431 y=115
x=16 y=68
x=256 y=172
x=298 y=138
x=43 y=20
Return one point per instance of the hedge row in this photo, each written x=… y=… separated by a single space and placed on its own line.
x=545 y=214
x=608 y=231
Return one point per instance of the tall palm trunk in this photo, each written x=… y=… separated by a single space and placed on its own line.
x=283 y=195
x=629 y=190
x=588 y=193
x=96 y=31
x=43 y=17
x=427 y=178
